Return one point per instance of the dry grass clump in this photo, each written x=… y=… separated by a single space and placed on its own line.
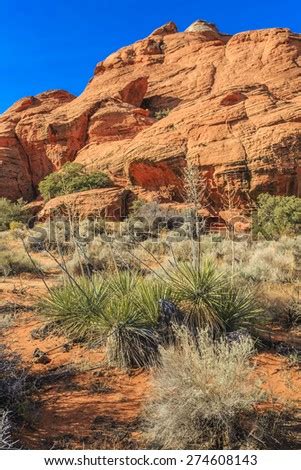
x=156 y=246
x=98 y=256
x=282 y=304
x=260 y=261
x=292 y=312
x=13 y=263
x=182 y=250
x=204 y=396
x=12 y=379
x=53 y=235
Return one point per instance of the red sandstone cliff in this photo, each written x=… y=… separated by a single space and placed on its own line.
x=235 y=110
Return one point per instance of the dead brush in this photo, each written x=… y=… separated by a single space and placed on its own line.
x=6 y=441
x=14 y=396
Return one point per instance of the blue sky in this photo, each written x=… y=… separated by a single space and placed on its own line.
x=56 y=44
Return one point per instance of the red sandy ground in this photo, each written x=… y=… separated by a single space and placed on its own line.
x=67 y=410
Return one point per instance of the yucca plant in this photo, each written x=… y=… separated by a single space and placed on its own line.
x=148 y=296
x=106 y=312
x=122 y=283
x=238 y=308
x=197 y=290
x=77 y=307
x=131 y=340
x=155 y=300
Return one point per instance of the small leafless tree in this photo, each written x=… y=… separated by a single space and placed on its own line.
x=196 y=194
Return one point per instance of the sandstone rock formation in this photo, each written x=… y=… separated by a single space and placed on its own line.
x=109 y=203
x=234 y=107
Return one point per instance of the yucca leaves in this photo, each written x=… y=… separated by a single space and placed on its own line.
x=147 y=296
x=77 y=306
x=122 y=311
x=125 y=311
x=108 y=310
x=131 y=338
x=123 y=283
x=238 y=308
x=197 y=290
x=211 y=300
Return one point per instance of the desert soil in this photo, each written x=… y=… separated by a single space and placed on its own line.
x=78 y=401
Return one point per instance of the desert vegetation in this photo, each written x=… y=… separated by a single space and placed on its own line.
x=150 y=274
x=193 y=315
x=216 y=399
x=12 y=214
x=71 y=179
x=126 y=311
x=13 y=395
x=162 y=113
x=14 y=263
x=277 y=216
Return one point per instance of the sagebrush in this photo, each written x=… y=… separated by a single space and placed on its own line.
x=204 y=396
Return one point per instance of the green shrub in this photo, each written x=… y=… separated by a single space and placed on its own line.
x=11 y=212
x=203 y=395
x=277 y=216
x=162 y=113
x=71 y=179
